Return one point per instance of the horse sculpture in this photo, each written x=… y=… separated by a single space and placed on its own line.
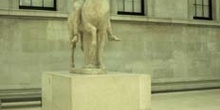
x=90 y=23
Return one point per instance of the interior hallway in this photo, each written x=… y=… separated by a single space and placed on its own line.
x=192 y=100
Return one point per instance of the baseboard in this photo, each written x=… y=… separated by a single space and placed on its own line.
x=20 y=97
x=21 y=104
x=185 y=86
x=7 y=93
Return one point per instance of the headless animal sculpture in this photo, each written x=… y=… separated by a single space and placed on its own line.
x=90 y=22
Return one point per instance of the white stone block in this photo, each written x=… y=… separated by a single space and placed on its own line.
x=64 y=91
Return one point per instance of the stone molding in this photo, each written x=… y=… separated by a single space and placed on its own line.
x=146 y=19
x=33 y=13
x=129 y=18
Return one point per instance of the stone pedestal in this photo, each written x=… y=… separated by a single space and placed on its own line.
x=111 y=91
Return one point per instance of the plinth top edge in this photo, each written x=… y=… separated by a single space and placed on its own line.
x=108 y=73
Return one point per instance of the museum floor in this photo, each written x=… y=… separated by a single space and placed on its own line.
x=193 y=100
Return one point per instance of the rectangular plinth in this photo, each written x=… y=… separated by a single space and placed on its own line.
x=65 y=91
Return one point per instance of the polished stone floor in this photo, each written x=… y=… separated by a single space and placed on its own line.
x=193 y=100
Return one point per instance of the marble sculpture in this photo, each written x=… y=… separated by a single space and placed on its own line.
x=89 y=23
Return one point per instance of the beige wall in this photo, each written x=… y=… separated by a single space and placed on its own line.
x=172 y=9
x=170 y=53
x=167 y=52
x=4 y=4
x=29 y=47
x=177 y=50
x=218 y=10
x=9 y=4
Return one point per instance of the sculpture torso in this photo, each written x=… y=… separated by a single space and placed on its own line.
x=95 y=11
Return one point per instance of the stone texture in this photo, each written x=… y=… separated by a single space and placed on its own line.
x=171 y=9
x=34 y=41
x=64 y=91
x=29 y=47
x=4 y=4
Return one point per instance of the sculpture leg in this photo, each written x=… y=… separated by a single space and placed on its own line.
x=73 y=26
x=73 y=52
x=101 y=44
x=81 y=40
x=72 y=44
x=74 y=20
x=111 y=36
x=92 y=48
